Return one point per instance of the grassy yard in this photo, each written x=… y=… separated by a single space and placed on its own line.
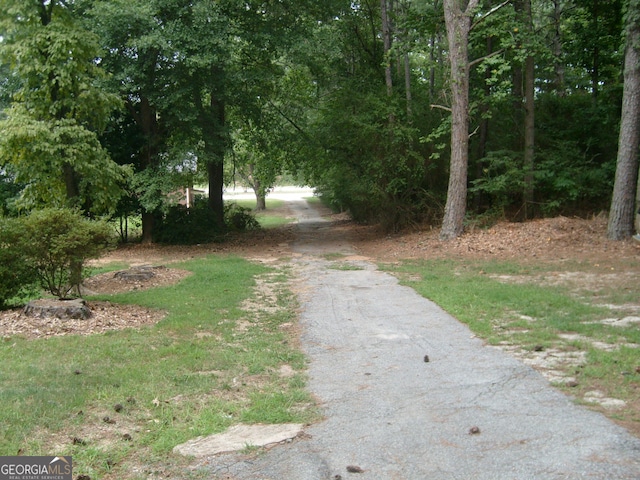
x=526 y=310
x=267 y=218
x=120 y=401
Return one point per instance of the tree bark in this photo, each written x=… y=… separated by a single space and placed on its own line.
x=215 y=144
x=146 y=118
x=623 y=203
x=529 y=137
x=558 y=63
x=529 y=120
x=458 y=23
x=386 y=38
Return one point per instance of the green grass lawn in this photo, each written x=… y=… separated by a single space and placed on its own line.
x=267 y=219
x=212 y=362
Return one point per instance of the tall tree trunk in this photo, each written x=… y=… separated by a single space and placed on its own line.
x=529 y=137
x=148 y=121
x=457 y=17
x=407 y=84
x=261 y=197
x=258 y=188
x=558 y=63
x=215 y=144
x=621 y=214
x=386 y=39
x=529 y=119
x=215 y=172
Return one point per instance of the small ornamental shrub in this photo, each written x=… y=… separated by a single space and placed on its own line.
x=56 y=243
x=16 y=276
x=240 y=218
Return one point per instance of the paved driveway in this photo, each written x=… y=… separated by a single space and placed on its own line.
x=470 y=412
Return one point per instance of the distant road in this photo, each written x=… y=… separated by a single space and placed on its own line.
x=289 y=193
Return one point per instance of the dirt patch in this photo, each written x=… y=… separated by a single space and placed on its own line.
x=105 y=315
x=557 y=240
x=112 y=282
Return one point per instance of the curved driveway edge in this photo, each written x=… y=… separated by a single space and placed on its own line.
x=469 y=412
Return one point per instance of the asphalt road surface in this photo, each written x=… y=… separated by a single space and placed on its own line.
x=470 y=412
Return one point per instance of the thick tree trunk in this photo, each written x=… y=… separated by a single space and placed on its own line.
x=147 y=119
x=458 y=23
x=148 y=222
x=215 y=144
x=261 y=199
x=215 y=173
x=623 y=203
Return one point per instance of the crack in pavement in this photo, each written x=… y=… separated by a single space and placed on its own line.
x=395 y=416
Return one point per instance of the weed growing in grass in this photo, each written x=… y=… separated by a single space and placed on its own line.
x=209 y=364
x=345 y=267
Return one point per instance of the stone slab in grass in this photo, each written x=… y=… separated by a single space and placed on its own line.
x=237 y=438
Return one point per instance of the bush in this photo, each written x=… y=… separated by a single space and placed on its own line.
x=239 y=218
x=198 y=224
x=15 y=275
x=187 y=226
x=56 y=242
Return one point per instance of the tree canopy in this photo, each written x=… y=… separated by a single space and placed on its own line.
x=390 y=108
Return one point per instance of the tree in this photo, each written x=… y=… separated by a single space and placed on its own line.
x=623 y=203
x=50 y=140
x=132 y=39
x=458 y=16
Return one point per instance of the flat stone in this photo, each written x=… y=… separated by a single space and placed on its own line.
x=237 y=438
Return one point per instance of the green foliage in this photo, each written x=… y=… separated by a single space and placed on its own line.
x=50 y=132
x=240 y=218
x=198 y=224
x=56 y=243
x=38 y=151
x=15 y=274
x=188 y=226
x=502 y=181
x=576 y=153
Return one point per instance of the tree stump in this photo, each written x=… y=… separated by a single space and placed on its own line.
x=76 y=309
x=136 y=274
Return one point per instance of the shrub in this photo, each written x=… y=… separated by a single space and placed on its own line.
x=239 y=218
x=198 y=224
x=15 y=275
x=56 y=242
x=187 y=226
